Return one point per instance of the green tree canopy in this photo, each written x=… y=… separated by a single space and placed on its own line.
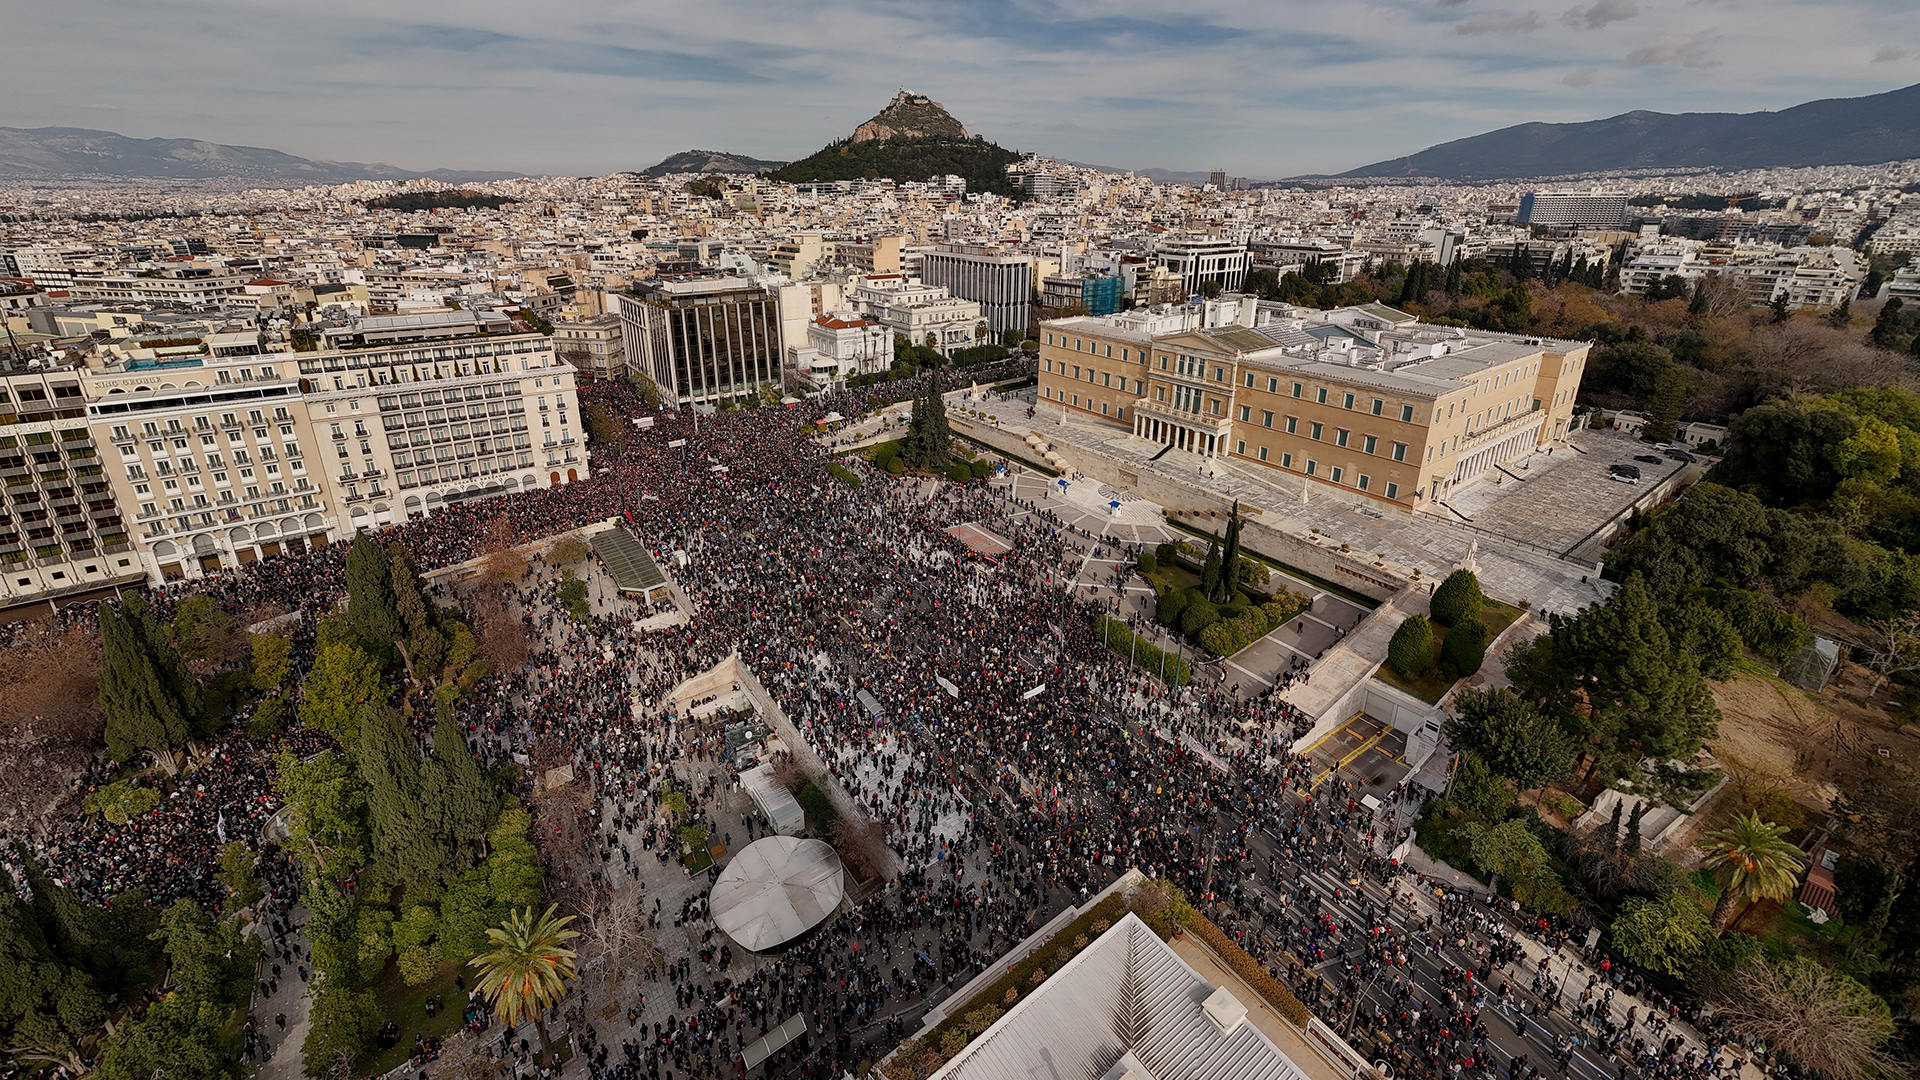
x=1664 y=935
x=344 y=679
x=47 y=1008
x=1457 y=598
x=330 y=831
x=1411 y=649
x=527 y=967
x=1752 y=861
x=405 y=841
x=372 y=611
x=150 y=699
x=1514 y=738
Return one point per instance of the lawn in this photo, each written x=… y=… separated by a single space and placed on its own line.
x=407 y=1006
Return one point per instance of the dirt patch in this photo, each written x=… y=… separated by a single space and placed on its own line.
x=1811 y=745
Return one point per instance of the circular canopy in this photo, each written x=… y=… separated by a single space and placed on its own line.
x=775 y=890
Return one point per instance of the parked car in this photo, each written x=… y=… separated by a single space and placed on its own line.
x=1682 y=455
x=1649 y=459
x=1626 y=474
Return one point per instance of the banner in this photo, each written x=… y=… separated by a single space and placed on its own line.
x=676 y=442
x=643 y=422
x=947 y=686
x=1034 y=693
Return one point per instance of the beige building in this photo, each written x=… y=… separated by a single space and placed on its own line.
x=593 y=346
x=1364 y=399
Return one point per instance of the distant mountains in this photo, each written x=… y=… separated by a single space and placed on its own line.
x=54 y=153
x=710 y=161
x=913 y=138
x=1836 y=131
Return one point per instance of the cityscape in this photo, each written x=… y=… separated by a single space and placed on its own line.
x=1455 y=618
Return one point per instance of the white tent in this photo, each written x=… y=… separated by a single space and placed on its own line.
x=776 y=889
x=779 y=807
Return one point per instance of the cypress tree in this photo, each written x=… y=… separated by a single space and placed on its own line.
x=1210 y=572
x=426 y=646
x=150 y=698
x=371 y=613
x=1410 y=652
x=1886 y=328
x=1230 y=559
x=1457 y=600
x=1453 y=278
x=460 y=793
x=71 y=928
x=1613 y=825
x=405 y=839
x=1632 y=846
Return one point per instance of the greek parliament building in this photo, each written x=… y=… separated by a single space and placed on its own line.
x=701 y=336
x=1364 y=399
x=153 y=470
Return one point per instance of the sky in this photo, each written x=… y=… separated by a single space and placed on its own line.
x=1260 y=88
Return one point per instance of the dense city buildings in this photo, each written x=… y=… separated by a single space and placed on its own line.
x=1573 y=209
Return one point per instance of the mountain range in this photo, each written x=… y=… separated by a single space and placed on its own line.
x=1836 y=131
x=80 y=153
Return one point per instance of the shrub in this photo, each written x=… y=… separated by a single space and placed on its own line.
x=895 y=466
x=572 y=594
x=843 y=474
x=1199 y=615
x=1155 y=661
x=1465 y=647
x=1250 y=970
x=121 y=801
x=1149 y=564
x=981 y=469
x=1170 y=608
x=959 y=474
x=1411 y=650
x=1167 y=552
x=1220 y=639
x=1457 y=599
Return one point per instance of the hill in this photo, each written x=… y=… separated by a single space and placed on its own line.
x=57 y=153
x=1835 y=131
x=913 y=138
x=706 y=162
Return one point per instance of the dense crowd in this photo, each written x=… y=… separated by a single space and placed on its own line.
x=965 y=702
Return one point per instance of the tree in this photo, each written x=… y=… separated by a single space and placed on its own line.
x=1411 y=650
x=179 y=1036
x=272 y=661
x=425 y=646
x=149 y=697
x=1228 y=570
x=458 y=794
x=47 y=1009
x=1662 y=935
x=1508 y=849
x=1821 y=1019
x=1210 y=574
x=201 y=630
x=528 y=967
x=1465 y=648
x=1663 y=408
x=329 y=829
x=1457 y=598
x=1515 y=738
x=342 y=681
x=1752 y=862
x=372 y=615
x=237 y=863
x=405 y=840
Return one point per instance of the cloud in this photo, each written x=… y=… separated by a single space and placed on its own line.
x=1449 y=3
x=1887 y=54
x=1494 y=24
x=1683 y=52
x=1580 y=77
x=1602 y=12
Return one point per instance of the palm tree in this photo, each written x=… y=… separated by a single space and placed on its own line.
x=529 y=966
x=1751 y=862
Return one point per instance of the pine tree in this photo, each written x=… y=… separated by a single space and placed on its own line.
x=150 y=698
x=1669 y=395
x=71 y=928
x=371 y=614
x=461 y=796
x=1886 y=328
x=426 y=646
x=405 y=839
x=1636 y=687
x=1453 y=278
x=46 y=1008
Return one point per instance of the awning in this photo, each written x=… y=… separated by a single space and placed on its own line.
x=762 y=1048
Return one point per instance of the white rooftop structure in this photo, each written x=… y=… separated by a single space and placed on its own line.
x=776 y=889
x=1127 y=999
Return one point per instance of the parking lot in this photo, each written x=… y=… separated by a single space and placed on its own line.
x=1557 y=500
x=1364 y=752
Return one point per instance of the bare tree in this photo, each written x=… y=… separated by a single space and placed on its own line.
x=50 y=717
x=1820 y=1019
x=862 y=846
x=1892 y=647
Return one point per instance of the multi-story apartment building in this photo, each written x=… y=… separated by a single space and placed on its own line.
x=701 y=337
x=193 y=283
x=1363 y=399
x=61 y=528
x=1574 y=209
x=593 y=346
x=1001 y=282
x=1203 y=261
x=212 y=460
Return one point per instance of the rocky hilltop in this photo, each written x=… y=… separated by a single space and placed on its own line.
x=707 y=162
x=911 y=115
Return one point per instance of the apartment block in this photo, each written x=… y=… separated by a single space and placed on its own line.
x=1001 y=282
x=1574 y=209
x=701 y=337
x=1363 y=399
x=61 y=528
x=593 y=346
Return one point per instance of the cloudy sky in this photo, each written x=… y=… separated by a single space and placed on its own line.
x=1262 y=88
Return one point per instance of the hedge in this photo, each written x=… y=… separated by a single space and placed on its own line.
x=1465 y=647
x=1148 y=563
x=1411 y=650
x=843 y=474
x=959 y=474
x=1250 y=970
x=1168 y=667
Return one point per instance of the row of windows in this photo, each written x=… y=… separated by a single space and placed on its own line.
x=1336 y=474
x=1127 y=355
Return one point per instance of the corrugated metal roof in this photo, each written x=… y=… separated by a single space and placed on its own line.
x=1126 y=992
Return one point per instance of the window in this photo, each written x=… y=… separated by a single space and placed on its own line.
x=1263 y=453
x=1340 y=436
x=1219 y=374
x=1393 y=491
x=1163 y=363
x=1297 y=388
x=1286 y=461
x=1273 y=385
x=1109 y=350
x=1246 y=413
x=1368 y=443
x=1103 y=407
x=1293 y=425
x=1249 y=378
x=1378 y=405
x=1076 y=345
x=1076 y=372
x=1363 y=482
x=1240 y=447
x=1106 y=379
x=1406 y=414
x=1266 y=419
x=1312 y=466
x=1347 y=402
x=1334 y=474
x=1049 y=365
x=1399 y=451
x=1315 y=433
x=1321 y=396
